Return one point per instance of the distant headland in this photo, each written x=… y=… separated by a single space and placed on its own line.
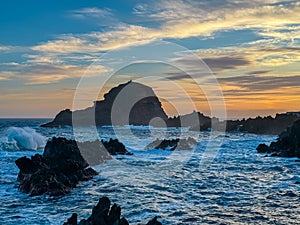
x=147 y=107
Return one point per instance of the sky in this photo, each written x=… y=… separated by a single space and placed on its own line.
x=250 y=49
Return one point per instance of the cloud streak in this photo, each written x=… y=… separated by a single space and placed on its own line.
x=43 y=73
x=261 y=83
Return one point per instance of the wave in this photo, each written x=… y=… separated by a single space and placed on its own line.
x=23 y=138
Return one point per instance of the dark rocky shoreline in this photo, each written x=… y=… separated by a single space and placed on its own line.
x=287 y=144
x=149 y=107
x=105 y=214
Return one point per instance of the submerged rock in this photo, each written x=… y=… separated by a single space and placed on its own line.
x=105 y=214
x=173 y=144
x=56 y=172
x=287 y=144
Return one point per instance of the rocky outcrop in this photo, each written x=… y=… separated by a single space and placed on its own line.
x=287 y=144
x=196 y=121
x=96 y=152
x=62 y=119
x=56 y=172
x=258 y=125
x=263 y=125
x=173 y=144
x=63 y=164
x=105 y=214
x=114 y=147
x=130 y=103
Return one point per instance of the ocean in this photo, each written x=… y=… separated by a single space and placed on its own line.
x=236 y=186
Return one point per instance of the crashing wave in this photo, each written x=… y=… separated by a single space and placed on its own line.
x=25 y=138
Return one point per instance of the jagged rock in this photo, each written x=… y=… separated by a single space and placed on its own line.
x=195 y=120
x=63 y=118
x=263 y=125
x=56 y=172
x=72 y=220
x=263 y=148
x=63 y=164
x=173 y=144
x=96 y=152
x=154 y=222
x=114 y=147
x=103 y=214
x=287 y=144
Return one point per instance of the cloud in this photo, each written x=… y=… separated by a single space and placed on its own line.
x=261 y=83
x=216 y=63
x=257 y=72
x=46 y=79
x=177 y=76
x=93 y=12
x=3 y=78
x=254 y=54
x=122 y=36
x=226 y=62
x=43 y=73
x=182 y=19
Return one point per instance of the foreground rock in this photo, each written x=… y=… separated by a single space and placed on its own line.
x=287 y=144
x=173 y=144
x=103 y=214
x=56 y=172
x=63 y=164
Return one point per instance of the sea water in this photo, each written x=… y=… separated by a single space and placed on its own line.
x=235 y=186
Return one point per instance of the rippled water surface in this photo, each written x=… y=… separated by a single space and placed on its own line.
x=238 y=186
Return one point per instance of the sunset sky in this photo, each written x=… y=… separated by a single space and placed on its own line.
x=252 y=48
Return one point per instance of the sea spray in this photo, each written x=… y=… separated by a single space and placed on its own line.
x=25 y=138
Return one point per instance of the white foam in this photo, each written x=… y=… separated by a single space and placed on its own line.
x=26 y=138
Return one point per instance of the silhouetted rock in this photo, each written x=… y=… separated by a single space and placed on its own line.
x=72 y=220
x=56 y=172
x=154 y=222
x=104 y=214
x=195 y=120
x=96 y=152
x=263 y=148
x=287 y=144
x=114 y=147
x=130 y=103
x=173 y=144
x=63 y=164
x=263 y=125
x=63 y=118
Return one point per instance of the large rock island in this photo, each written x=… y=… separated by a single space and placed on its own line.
x=146 y=106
